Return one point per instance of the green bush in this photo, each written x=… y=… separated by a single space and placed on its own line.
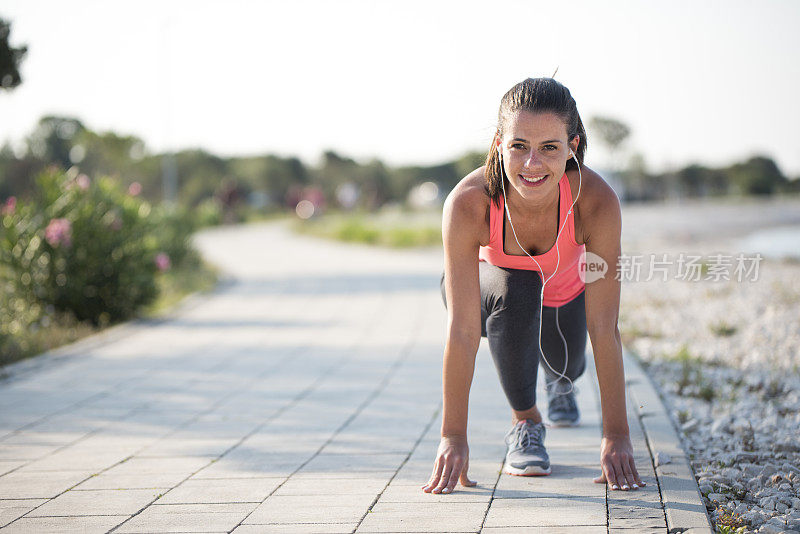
x=86 y=247
x=174 y=225
x=208 y=213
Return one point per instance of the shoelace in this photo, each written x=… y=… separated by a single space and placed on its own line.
x=523 y=439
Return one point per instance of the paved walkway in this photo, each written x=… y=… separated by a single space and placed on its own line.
x=304 y=395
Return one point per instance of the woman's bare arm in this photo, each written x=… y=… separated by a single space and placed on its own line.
x=602 y=223
x=461 y=226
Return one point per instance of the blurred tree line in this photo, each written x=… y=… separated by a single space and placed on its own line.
x=758 y=175
x=271 y=183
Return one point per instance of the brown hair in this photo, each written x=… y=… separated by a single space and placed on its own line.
x=536 y=95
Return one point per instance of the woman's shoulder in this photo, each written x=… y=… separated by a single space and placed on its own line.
x=468 y=203
x=595 y=191
x=470 y=194
x=597 y=199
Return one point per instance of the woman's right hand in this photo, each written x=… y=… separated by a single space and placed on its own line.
x=452 y=464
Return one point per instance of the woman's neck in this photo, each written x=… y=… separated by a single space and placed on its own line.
x=532 y=209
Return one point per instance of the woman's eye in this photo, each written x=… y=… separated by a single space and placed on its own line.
x=517 y=145
x=550 y=147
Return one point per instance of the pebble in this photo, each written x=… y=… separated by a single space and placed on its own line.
x=662 y=458
x=737 y=395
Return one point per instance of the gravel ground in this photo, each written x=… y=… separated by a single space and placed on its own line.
x=726 y=357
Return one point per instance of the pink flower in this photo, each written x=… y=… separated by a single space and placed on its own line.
x=58 y=231
x=83 y=181
x=9 y=207
x=162 y=261
x=134 y=189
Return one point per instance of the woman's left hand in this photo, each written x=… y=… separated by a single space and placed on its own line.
x=616 y=462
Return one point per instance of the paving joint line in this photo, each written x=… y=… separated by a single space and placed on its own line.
x=491 y=497
x=425 y=430
x=652 y=457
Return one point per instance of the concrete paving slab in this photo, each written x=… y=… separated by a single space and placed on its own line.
x=39 y=484
x=64 y=525
x=218 y=491
x=178 y=464
x=326 y=463
x=337 y=508
x=188 y=447
x=76 y=460
x=113 y=481
x=331 y=486
x=424 y=517
x=96 y=502
x=11 y=509
x=187 y=518
x=6 y=466
x=25 y=451
x=252 y=465
x=297 y=528
x=563 y=482
x=547 y=511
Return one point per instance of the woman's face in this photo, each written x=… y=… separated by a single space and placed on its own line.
x=534 y=152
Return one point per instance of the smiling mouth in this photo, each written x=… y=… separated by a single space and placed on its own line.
x=532 y=180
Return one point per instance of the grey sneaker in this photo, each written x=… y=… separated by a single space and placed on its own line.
x=526 y=454
x=562 y=409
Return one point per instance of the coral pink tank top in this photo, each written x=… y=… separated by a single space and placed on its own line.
x=566 y=284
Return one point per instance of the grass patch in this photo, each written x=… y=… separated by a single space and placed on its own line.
x=393 y=229
x=632 y=333
x=729 y=523
x=722 y=329
x=176 y=284
x=691 y=381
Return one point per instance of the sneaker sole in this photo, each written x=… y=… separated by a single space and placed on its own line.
x=531 y=471
x=563 y=424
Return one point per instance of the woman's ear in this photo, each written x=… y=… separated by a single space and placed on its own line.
x=574 y=144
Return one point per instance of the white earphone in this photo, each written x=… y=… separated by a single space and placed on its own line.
x=562 y=374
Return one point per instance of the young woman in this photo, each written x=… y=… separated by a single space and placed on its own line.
x=514 y=233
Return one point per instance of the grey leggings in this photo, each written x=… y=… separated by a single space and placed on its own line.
x=510 y=301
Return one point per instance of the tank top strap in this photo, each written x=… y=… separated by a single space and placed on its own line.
x=496 y=221
x=567 y=209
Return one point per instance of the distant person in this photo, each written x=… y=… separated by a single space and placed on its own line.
x=514 y=232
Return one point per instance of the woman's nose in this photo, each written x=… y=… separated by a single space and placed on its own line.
x=532 y=159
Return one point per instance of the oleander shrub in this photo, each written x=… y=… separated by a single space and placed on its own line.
x=87 y=247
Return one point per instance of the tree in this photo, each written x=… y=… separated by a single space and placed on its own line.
x=757 y=176
x=53 y=139
x=10 y=59
x=612 y=132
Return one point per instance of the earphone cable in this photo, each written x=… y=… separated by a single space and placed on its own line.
x=562 y=374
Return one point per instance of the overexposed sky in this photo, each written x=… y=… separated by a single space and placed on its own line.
x=411 y=81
